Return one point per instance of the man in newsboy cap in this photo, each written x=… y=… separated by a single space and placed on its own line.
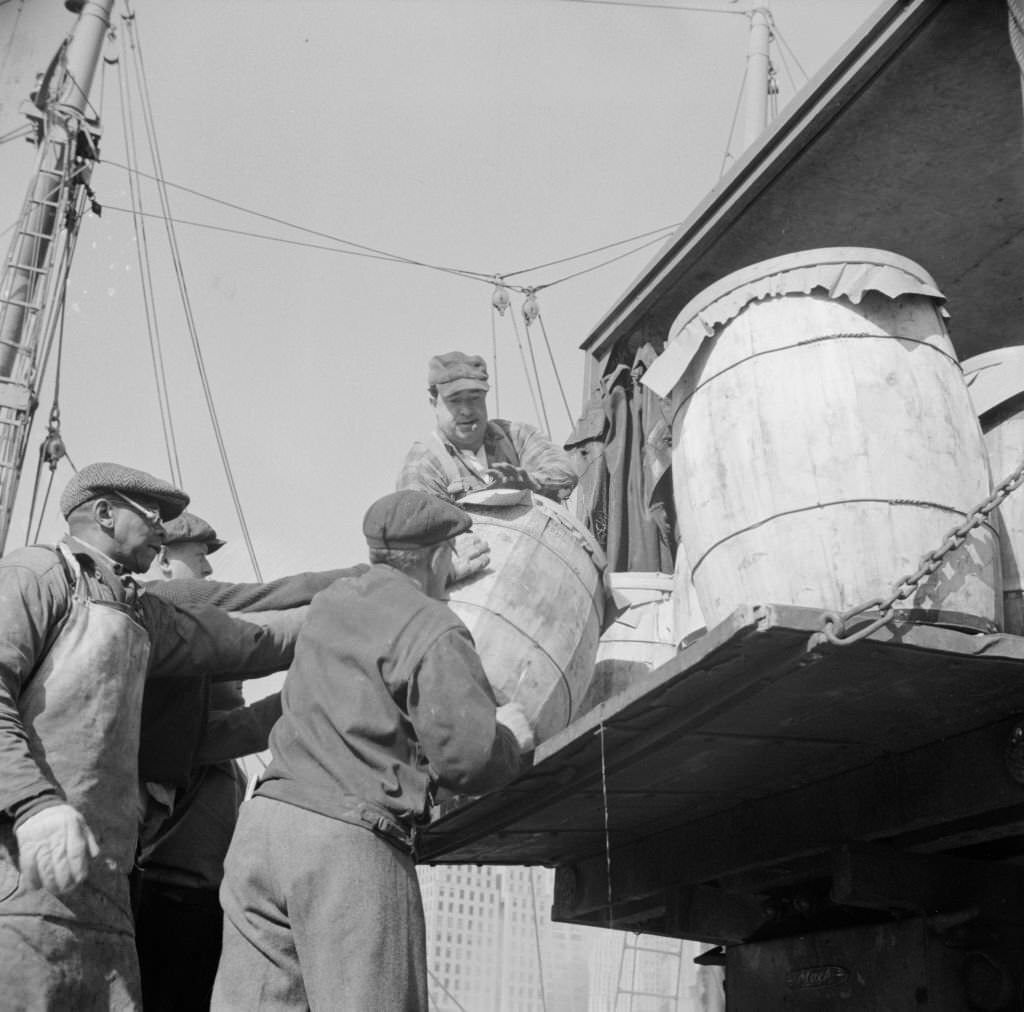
x=385 y=702
x=78 y=640
x=468 y=451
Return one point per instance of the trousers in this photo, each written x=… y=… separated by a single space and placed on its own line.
x=319 y=914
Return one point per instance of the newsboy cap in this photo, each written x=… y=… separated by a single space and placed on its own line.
x=189 y=527
x=410 y=519
x=450 y=373
x=95 y=480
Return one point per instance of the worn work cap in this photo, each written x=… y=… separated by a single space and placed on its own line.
x=189 y=527
x=410 y=519
x=96 y=480
x=450 y=373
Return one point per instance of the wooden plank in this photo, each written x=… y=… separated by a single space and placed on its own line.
x=957 y=778
x=762 y=706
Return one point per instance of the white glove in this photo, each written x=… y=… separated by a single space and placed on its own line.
x=55 y=847
x=513 y=716
x=470 y=555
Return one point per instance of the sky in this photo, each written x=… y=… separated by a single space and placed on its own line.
x=489 y=136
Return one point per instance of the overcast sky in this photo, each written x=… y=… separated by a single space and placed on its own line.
x=485 y=135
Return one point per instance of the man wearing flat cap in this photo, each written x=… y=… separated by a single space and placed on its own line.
x=468 y=451
x=78 y=639
x=385 y=702
x=189 y=820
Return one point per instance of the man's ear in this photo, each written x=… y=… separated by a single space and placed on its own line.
x=103 y=514
x=163 y=563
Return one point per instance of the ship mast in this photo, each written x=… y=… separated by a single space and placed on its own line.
x=35 y=270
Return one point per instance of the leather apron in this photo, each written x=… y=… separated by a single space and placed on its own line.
x=81 y=711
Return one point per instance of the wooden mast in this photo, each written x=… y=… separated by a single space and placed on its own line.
x=31 y=285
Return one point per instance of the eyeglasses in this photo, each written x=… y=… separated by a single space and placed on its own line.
x=152 y=517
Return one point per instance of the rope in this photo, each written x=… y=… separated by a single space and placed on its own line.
x=785 y=45
x=597 y=249
x=526 y=368
x=604 y=263
x=148 y=288
x=494 y=361
x=13 y=35
x=372 y=251
x=139 y=67
x=607 y=832
x=536 y=940
x=732 y=125
x=437 y=980
x=554 y=368
x=536 y=377
x=659 y=7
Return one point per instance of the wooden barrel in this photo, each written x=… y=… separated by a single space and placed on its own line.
x=996 y=383
x=536 y=612
x=824 y=440
x=640 y=638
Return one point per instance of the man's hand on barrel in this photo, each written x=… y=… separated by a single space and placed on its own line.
x=55 y=848
x=470 y=555
x=502 y=475
x=513 y=716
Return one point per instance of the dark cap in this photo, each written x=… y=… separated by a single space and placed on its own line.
x=450 y=373
x=189 y=527
x=410 y=519
x=96 y=480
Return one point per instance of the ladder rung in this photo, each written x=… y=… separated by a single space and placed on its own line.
x=28 y=268
x=35 y=235
x=22 y=305
x=44 y=203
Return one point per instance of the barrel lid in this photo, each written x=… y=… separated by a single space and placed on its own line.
x=847 y=271
x=994 y=377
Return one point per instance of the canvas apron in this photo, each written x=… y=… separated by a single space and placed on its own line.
x=81 y=711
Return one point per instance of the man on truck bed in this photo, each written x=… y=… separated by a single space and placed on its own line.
x=468 y=451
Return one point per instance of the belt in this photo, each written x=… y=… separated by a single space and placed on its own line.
x=400 y=837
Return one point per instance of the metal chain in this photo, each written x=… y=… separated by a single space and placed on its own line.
x=835 y=623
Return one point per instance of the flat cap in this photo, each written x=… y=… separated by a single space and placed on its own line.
x=189 y=527
x=95 y=480
x=411 y=519
x=455 y=371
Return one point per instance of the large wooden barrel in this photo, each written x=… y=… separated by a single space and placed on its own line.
x=824 y=440
x=640 y=638
x=536 y=612
x=996 y=383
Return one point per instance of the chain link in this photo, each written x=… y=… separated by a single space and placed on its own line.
x=835 y=623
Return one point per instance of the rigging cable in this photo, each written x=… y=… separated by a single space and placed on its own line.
x=554 y=367
x=659 y=7
x=783 y=48
x=437 y=980
x=526 y=369
x=146 y=278
x=11 y=38
x=597 y=249
x=785 y=45
x=370 y=250
x=594 y=267
x=536 y=940
x=139 y=68
x=732 y=126
x=499 y=303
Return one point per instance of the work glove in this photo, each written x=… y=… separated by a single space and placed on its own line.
x=55 y=846
x=470 y=555
x=513 y=716
x=509 y=476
